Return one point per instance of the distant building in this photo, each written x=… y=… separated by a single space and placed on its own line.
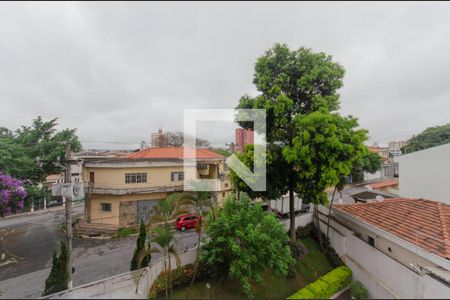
x=243 y=137
x=383 y=152
x=159 y=139
x=425 y=174
x=395 y=147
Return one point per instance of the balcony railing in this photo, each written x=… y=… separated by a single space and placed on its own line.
x=95 y=189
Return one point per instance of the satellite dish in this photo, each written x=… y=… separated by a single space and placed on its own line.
x=379 y=198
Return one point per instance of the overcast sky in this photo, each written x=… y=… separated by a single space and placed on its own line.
x=118 y=71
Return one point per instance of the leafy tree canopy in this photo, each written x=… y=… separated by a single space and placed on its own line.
x=244 y=241
x=430 y=137
x=325 y=148
x=30 y=152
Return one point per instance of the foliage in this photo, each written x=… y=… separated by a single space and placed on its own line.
x=274 y=286
x=358 y=290
x=430 y=137
x=326 y=286
x=30 y=152
x=36 y=195
x=304 y=231
x=201 y=198
x=181 y=276
x=168 y=209
x=369 y=162
x=167 y=247
x=58 y=278
x=12 y=195
x=325 y=149
x=329 y=251
x=243 y=241
x=137 y=262
x=176 y=139
x=276 y=166
x=127 y=231
x=222 y=152
x=293 y=84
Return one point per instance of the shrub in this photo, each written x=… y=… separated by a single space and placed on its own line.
x=180 y=276
x=331 y=254
x=326 y=286
x=358 y=290
x=304 y=231
x=123 y=232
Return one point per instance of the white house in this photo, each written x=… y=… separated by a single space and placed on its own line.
x=426 y=174
x=398 y=248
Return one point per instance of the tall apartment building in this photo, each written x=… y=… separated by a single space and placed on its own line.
x=159 y=139
x=243 y=137
x=395 y=147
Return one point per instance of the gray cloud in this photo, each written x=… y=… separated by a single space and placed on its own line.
x=118 y=71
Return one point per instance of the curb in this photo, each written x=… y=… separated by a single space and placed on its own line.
x=37 y=212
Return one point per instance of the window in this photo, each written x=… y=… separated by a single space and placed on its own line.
x=371 y=241
x=135 y=177
x=106 y=206
x=226 y=185
x=91 y=177
x=177 y=176
x=223 y=194
x=202 y=167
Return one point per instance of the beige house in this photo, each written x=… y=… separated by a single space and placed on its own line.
x=121 y=192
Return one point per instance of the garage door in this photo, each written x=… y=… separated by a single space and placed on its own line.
x=144 y=209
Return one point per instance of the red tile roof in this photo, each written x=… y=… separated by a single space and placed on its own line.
x=405 y=217
x=378 y=185
x=174 y=152
x=375 y=149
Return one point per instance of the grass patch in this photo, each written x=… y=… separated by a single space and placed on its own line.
x=123 y=232
x=274 y=286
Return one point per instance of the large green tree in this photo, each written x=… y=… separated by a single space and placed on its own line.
x=30 y=152
x=243 y=241
x=368 y=162
x=325 y=148
x=430 y=137
x=292 y=83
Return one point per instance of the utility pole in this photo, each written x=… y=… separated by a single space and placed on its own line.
x=68 y=201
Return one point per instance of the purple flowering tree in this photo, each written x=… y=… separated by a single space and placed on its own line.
x=12 y=195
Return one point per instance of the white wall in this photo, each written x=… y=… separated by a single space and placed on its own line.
x=426 y=174
x=130 y=285
x=383 y=276
x=300 y=220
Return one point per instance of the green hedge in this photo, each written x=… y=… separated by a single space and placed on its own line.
x=327 y=285
x=181 y=276
x=358 y=290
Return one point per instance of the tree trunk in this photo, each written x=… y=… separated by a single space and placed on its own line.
x=291 y=211
x=170 y=275
x=196 y=259
x=165 y=271
x=329 y=211
x=319 y=233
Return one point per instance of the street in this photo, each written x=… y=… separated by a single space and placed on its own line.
x=31 y=240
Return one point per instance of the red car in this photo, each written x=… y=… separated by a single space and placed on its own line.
x=187 y=221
